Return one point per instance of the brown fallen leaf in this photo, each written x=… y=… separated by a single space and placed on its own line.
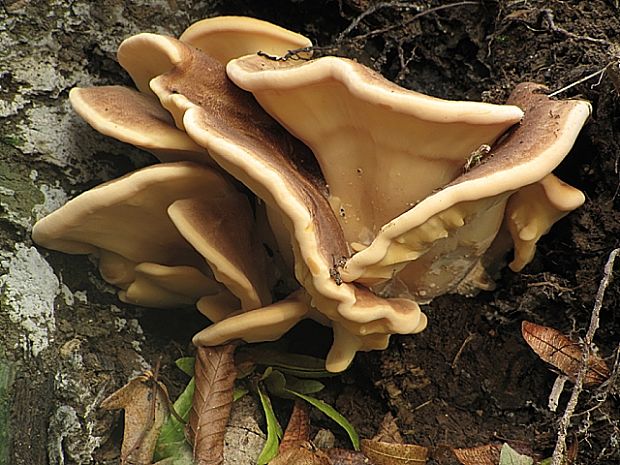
x=346 y=457
x=479 y=455
x=387 y=447
x=388 y=431
x=296 y=447
x=215 y=375
x=145 y=401
x=572 y=451
x=298 y=428
x=304 y=454
x=385 y=453
x=563 y=353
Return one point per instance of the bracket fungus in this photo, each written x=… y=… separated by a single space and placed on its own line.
x=137 y=119
x=377 y=198
x=172 y=229
x=227 y=37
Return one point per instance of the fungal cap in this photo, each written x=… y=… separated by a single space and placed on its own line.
x=227 y=37
x=137 y=119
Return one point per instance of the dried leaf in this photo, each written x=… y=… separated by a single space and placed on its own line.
x=333 y=414
x=298 y=428
x=304 y=454
x=388 y=431
x=385 y=453
x=572 y=451
x=509 y=456
x=563 y=353
x=480 y=455
x=215 y=376
x=295 y=447
x=145 y=401
x=347 y=457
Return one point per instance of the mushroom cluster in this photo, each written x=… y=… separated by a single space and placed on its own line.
x=361 y=199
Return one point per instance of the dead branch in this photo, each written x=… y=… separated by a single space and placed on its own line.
x=560 y=445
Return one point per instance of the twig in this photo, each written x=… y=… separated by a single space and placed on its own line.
x=608 y=385
x=374 y=8
x=467 y=340
x=551 y=26
x=583 y=79
x=560 y=445
x=368 y=12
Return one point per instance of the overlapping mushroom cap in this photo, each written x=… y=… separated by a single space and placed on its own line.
x=381 y=148
x=396 y=174
x=166 y=235
x=382 y=199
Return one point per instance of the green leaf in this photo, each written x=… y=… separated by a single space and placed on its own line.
x=266 y=374
x=509 y=456
x=186 y=365
x=183 y=458
x=238 y=393
x=303 y=366
x=334 y=415
x=277 y=383
x=274 y=430
x=171 y=441
x=303 y=386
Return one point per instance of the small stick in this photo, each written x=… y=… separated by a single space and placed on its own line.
x=467 y=340
x=583 y=79
x=560 y=445
x=378 y=6
x=368 y=12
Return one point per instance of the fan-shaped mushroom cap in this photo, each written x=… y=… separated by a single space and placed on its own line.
x=220 y=228
x=267 y=324
x=142 y=68
x=161 y=286
x=223 y=38
x=136 y=119
x=252 y=147
x=128 y=221
x=381 y=148
x=228 y=37
x=527 y=155
x=532 y=211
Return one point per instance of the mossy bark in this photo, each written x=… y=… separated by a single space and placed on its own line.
x=64 y=342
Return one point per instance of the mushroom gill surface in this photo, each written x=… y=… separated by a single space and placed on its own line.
x=381 y=148
x=443 y=237
x=143 y=228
